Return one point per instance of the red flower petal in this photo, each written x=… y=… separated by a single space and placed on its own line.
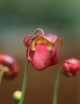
x=54 y=55
x=59 y=42
x=50 y=37
x=41 y=58
x=30 y=54
x=72 y=60
x=10 y=63
x=27 y=39
x=71 y=66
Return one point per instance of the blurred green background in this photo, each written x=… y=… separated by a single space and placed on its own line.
x=19 y=18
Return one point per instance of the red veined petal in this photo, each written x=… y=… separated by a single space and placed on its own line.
x=54 y=55
x=41 y=59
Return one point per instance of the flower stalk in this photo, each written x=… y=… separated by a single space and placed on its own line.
x=1 y=75
x=3 y=70
x=39 y=29
x=24 y=82
x=56 y=87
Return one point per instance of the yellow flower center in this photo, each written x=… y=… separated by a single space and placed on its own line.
x=40 y=40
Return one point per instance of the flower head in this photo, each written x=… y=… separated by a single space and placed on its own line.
x=41 y=49
x=9 y=65
x=71 y=66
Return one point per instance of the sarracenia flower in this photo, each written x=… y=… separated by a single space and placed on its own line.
x=71 y=66
x=41 y=49
x=9 y=65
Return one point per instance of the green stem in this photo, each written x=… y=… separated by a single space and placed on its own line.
x=24 y=82
x=39 y=29
x=56 y=87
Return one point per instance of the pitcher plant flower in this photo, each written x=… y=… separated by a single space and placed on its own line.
x=8 y=65
x=41 y=49
x=71 y=66
x=41 y=52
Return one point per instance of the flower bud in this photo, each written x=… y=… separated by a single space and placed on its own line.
x=71 y=66
x=17 y=96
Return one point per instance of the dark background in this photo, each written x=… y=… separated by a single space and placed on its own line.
x=19 y=18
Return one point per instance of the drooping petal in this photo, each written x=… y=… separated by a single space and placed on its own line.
x=59 y=42
x=27 y=39
x=30 y=54
x=11 y=63
x=41 y=58
x=54 y=55
x=72 y=60
x=40 y=40
x=50 y=37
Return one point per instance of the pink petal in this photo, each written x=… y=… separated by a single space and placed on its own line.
x=50 y=37
x=30 y=54
x=72 y=60
x=54 y=55
x=41 y=58
x=9 y=62
x=66 y=67
x=27 y=39
x=69 y=68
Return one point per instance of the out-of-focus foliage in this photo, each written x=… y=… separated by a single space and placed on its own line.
x=46 y=11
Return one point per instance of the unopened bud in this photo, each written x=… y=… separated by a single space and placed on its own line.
x=17 y=96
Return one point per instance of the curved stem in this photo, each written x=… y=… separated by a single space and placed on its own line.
x=56 y=87
x=24 y=82
x=39 y=29
x=2 y=71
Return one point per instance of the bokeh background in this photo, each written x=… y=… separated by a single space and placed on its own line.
x=19 y=18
